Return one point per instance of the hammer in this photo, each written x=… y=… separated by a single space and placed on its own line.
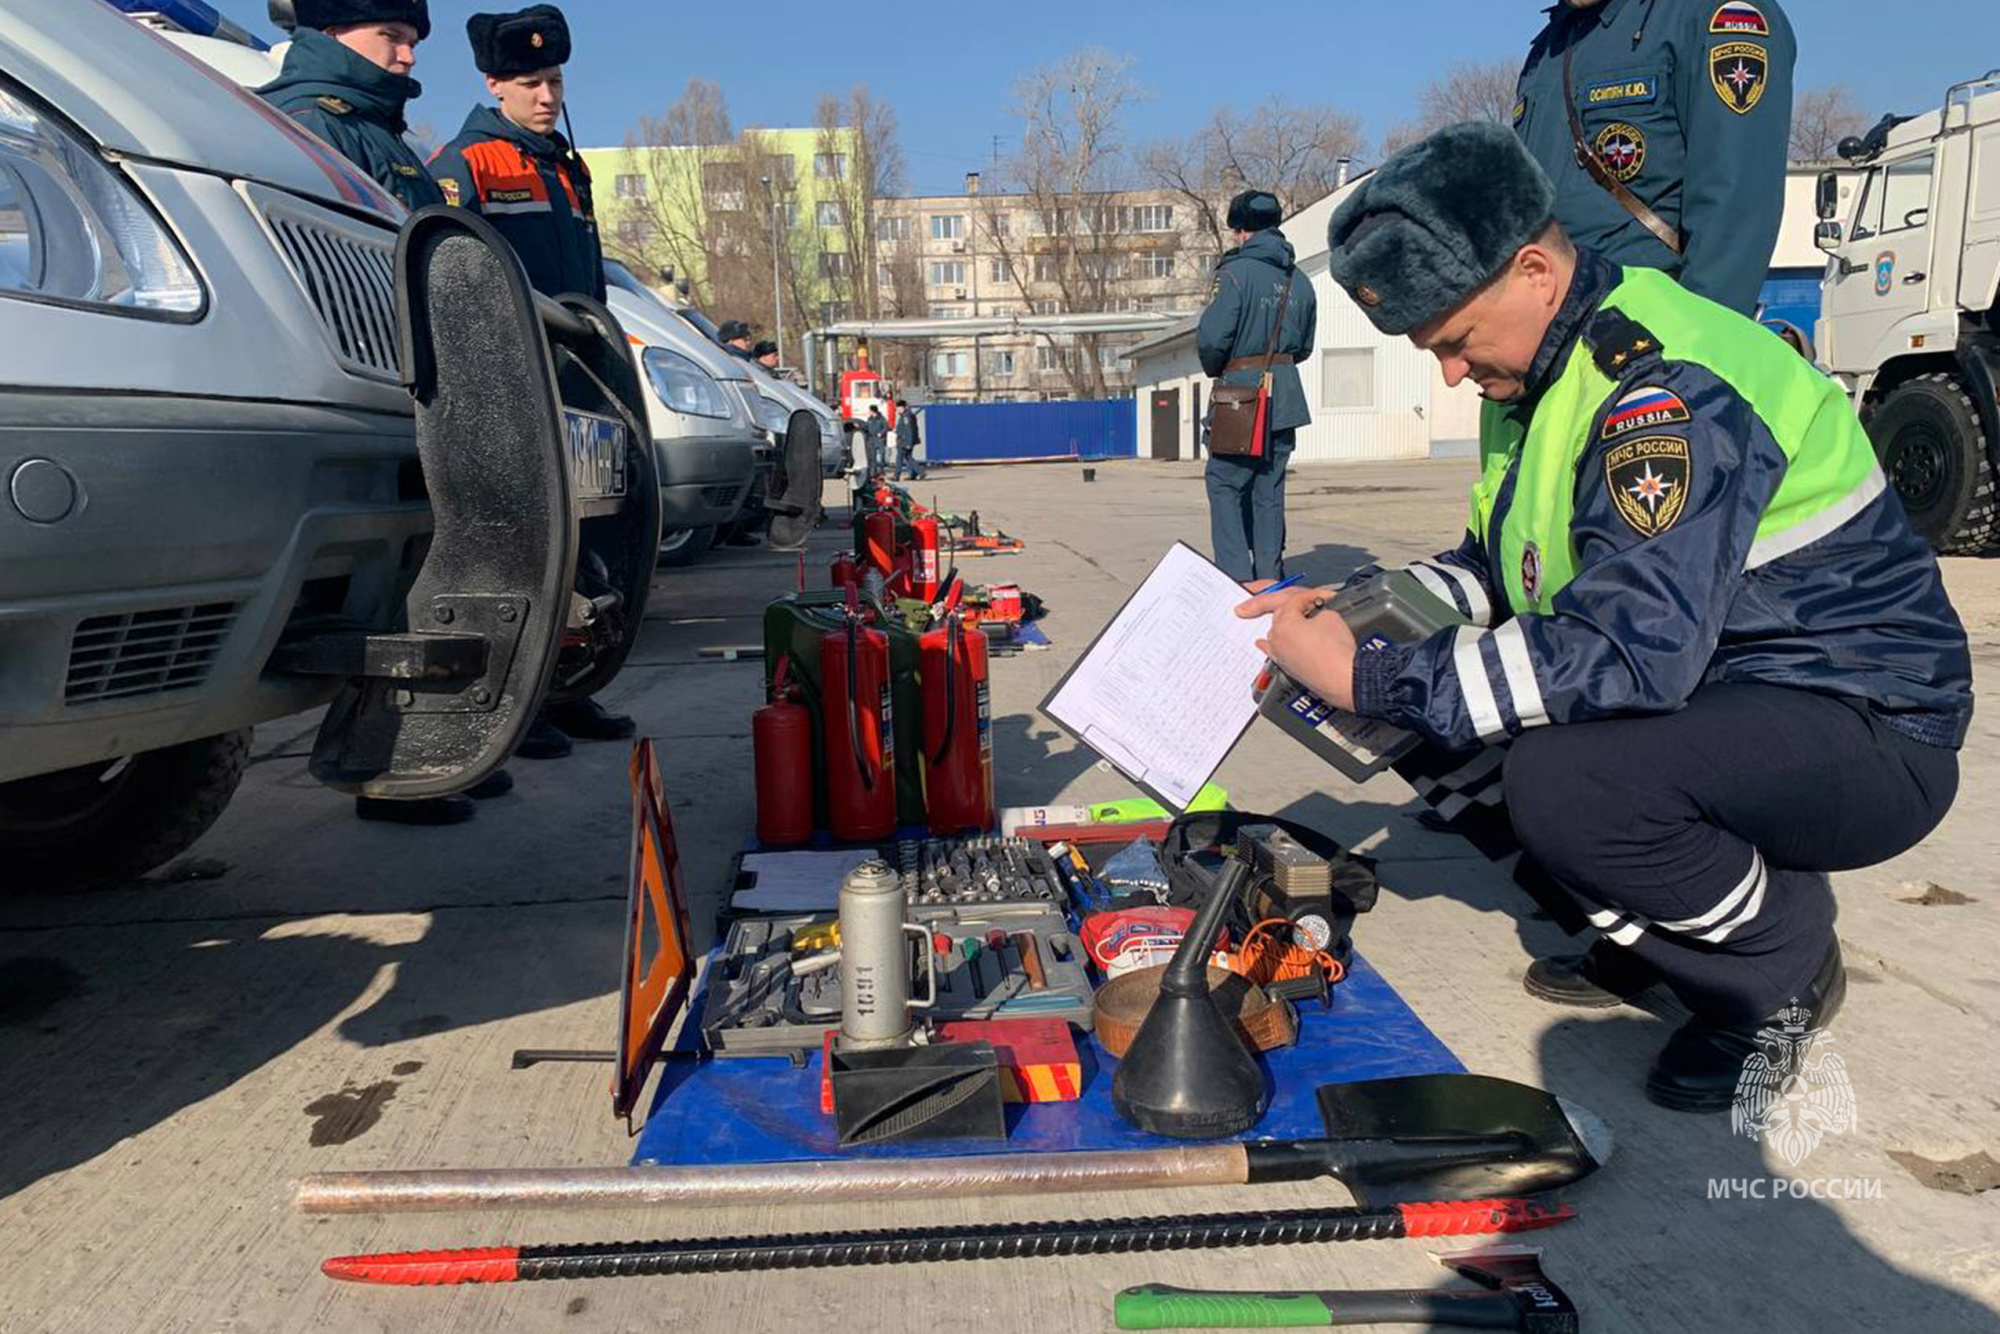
x=1513 y=1294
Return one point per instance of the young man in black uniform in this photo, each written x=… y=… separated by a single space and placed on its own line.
x=510 y=165
x=347 y=79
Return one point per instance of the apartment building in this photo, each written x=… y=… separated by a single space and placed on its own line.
x=990 y=253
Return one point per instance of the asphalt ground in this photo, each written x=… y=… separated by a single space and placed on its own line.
x=330 y=995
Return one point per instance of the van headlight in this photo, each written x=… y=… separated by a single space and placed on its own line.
x=684 y=386
x=773 y=415
x=72 y=230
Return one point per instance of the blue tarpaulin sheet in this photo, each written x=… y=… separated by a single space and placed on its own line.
x=990 y=432
x=756 y=1111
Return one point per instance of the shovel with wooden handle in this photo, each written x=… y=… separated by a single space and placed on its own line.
x=1389 y=1141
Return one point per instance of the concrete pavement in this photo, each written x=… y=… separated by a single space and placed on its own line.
x=344 y=995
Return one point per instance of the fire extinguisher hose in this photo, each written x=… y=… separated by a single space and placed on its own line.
x=951 y=625
x=853 y=703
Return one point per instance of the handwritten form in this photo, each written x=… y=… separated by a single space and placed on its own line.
x=1167 y=688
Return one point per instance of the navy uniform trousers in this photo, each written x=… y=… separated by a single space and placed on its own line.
x=1701 y=839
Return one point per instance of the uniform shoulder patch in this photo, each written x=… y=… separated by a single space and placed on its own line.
x=1618 y=342
x=1740 y=16
x=449 y=189
x=1648 y=481
x=405 y=169
x=1644 y=408
x=1621 y=146
x=1739 y=72
x=333 y=105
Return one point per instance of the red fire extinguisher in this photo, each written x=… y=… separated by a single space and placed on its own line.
x=846 y=574
x=781 y=741
x=879 y=543
x=958 y=735
x=924 y=571
x=858 y=731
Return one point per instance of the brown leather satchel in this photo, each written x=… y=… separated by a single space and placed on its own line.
x=1240 y=416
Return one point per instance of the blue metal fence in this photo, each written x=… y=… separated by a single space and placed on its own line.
x=986 y=432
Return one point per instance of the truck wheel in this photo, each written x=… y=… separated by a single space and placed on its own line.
x=107 y=822
x=685 y=546
x=1928 y=436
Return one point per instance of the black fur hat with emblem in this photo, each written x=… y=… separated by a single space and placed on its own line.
x=1435 y=222
x=324 y=14
x=504 y=45
x=1255 y=211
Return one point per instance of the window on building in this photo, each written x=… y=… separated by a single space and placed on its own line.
x=788 y=214
x=947 y=273
x=1156 y=266
x=1048 y=307
x=884 y=276
x=1347 y=377
x=833 y=264
x=780 y=168
x=998 y=224
x=1104 y=268
x=833 y=312
x=947 y=226
x=1052 y=222
x=1110 y=358
x=1003 y=364
x=830 y=166
x=945 y=365
x=892 y=229
x=828 y=213
x=629 y=185
x=998 y=310
x=949 y=312
x=1000 y=271
x=1048 y=268
x=1054 y=358
x=634 y=231
x=1153 y=218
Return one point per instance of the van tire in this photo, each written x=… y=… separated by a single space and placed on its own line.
x=1928 y=436
x=686 y=546
x=102 y=823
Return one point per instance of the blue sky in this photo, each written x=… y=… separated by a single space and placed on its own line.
x=947 y=69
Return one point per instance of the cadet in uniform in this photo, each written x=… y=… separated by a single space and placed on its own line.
x=765 y=354
x=511 y=165
x=1686 y=107
x=1246 y=496
x=347 y=79
x=734 y=335
x=1719 y=661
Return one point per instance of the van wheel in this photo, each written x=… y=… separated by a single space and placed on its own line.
x=101 y=823
x=685 y=546
x=1928 y=436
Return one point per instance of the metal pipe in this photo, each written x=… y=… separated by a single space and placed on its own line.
x=768 y=1183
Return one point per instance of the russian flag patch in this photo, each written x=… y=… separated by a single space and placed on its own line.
x=1642 y=409
x=1741 y=18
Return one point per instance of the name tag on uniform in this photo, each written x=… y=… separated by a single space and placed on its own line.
x=1621 y=92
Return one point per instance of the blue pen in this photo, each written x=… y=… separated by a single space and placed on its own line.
x=1284 y=584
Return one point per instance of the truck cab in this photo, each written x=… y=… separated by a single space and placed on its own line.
x=1908 y=320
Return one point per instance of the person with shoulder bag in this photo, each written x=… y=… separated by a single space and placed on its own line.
x=1259 y=324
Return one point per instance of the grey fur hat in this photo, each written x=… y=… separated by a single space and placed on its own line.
x=1430 y=226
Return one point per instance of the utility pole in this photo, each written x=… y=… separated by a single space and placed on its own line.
x=777 y=292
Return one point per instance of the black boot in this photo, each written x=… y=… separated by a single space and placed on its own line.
x=587 y=720
x=543 y=741
x=426 y=811
x=1702 y=1063
x=1607 y=975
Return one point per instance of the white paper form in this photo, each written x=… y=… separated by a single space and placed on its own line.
x=1168 y=687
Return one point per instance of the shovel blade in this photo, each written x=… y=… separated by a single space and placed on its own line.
x=1491 y=1137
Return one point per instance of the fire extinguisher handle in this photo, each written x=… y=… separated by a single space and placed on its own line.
x=923 y=935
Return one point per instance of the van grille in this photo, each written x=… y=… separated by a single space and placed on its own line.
x=719 y=496
x=146 y=652
x=348 y=272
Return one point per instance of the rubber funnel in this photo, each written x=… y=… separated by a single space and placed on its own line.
x=1189 y=1074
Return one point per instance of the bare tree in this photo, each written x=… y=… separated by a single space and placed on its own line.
x=1468 y=90
x=1055 y=235
x=1821 y=118
x=1294 y=152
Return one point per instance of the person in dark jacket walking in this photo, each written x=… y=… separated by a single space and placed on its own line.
x=347 y=79
x=1246 y=496
x=907 y=441
x=511 y=165
x=1687 y=106
x=1706 y=659
x=875 y=430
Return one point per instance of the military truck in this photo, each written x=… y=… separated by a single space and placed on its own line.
x=1909 y=321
